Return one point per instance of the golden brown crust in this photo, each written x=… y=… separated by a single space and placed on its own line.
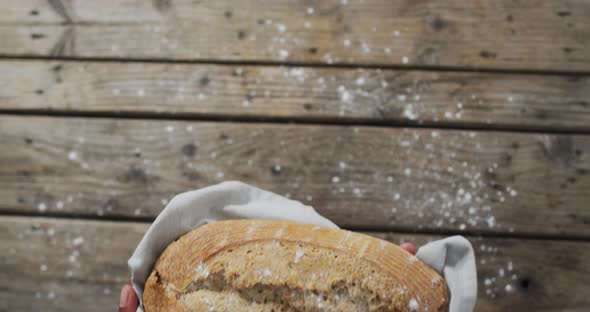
x=204 y=256
x=156 y=298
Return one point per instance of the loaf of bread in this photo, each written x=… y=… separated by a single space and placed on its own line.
x=263 y=265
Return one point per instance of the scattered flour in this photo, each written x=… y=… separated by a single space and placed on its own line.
x=73 y=155
x=409 y=112
x=42 y=207
x=345 y=95
x=78 y=241
x=283 y=54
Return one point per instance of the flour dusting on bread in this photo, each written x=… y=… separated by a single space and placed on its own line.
x=285 y=266
x=298 y=254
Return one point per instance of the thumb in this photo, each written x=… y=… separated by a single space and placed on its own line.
x=128 y=301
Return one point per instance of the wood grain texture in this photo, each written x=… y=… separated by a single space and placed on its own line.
x=532 y=35
x=297 y=93
x=72 y=265
x=61 y=265
x=360 y=177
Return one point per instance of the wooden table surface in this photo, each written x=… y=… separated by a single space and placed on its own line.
x=408 y=120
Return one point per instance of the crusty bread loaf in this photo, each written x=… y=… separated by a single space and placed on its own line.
x=262 y=265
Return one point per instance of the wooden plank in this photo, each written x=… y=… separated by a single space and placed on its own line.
x=73 y=265
x=532 y=35
x=63 y=265
x=361 y=177
x=296 y=93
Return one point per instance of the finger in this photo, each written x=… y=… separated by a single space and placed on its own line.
x=409 y=247
x=128 y=301
x=134 y=296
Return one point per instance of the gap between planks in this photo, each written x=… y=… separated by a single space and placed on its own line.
x=437 y=68
x=394 y=230
x=303 y=121
x=281 y=94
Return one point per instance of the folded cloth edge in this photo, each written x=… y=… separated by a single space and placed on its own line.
x=454 y=258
